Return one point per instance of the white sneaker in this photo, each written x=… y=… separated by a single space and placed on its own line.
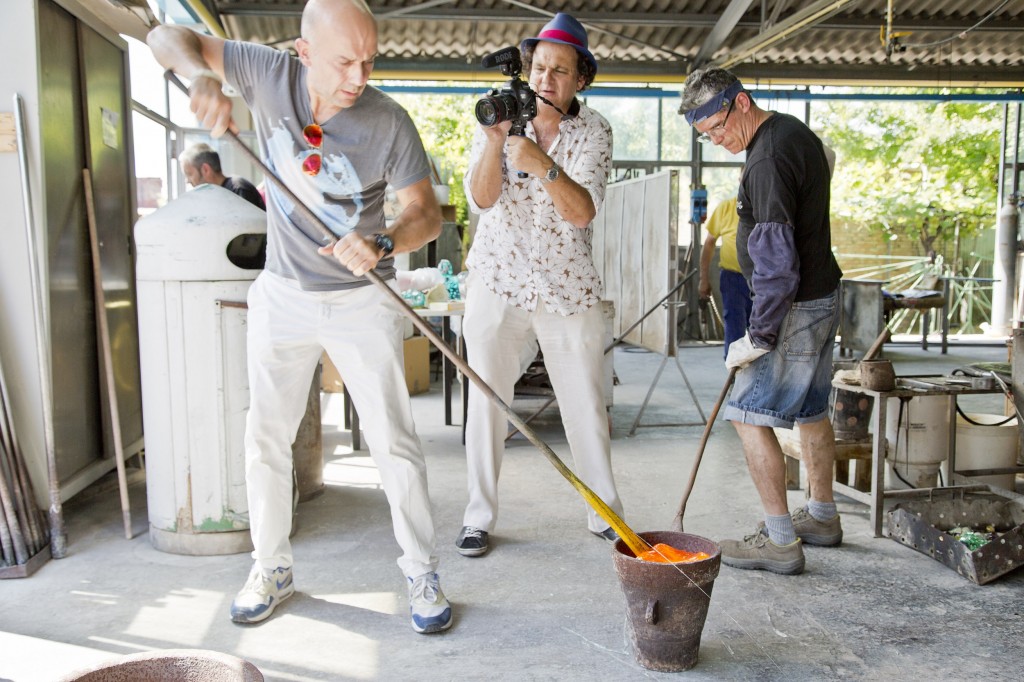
x=261 y=594
x=428 y=607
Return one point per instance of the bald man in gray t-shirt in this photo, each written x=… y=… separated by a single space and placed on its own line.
x=336 y=143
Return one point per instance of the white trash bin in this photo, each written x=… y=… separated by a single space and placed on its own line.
x=196 y=258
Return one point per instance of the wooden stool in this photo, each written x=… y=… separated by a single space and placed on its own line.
x=858 y=451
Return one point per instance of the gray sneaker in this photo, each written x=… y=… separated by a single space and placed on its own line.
x=814 y=532
x=261 y=594
x=472 y=541
x=758 y=552
x=428 y=607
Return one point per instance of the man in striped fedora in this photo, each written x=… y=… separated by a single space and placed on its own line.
x=532 y=275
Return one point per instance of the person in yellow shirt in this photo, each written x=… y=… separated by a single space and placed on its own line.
x=736 y=303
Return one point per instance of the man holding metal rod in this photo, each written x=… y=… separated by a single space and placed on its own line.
x=785 y=357
x=336 y=143
x=538 y=169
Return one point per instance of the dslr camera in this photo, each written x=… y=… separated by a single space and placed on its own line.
x=516 y=102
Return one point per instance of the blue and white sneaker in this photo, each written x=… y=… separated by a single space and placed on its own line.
x=428 y=607
x=261 y=594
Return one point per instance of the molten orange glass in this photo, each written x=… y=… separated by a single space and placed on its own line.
x=666 y=554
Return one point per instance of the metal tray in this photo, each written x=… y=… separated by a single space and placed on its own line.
x=923 y=524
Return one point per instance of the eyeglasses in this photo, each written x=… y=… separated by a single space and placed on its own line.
x=314 y=136
x=717 y=130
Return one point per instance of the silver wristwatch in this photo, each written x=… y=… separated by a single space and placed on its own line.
x=552 y=174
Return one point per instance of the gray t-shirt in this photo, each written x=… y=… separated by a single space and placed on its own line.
x=365 y=147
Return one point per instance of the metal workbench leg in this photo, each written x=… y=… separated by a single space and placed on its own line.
x=447 y=371
x=878 y=469
x=945 y=316
x=926 y=323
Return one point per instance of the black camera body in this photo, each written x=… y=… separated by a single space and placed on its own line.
x=516 y=102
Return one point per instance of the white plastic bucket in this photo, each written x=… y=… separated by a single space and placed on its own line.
x=918 y=442
x=987 y=447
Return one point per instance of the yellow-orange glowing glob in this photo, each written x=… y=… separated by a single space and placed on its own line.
x=666 y=554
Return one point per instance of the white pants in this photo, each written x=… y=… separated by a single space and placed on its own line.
x=361 y=330
x=573 y=349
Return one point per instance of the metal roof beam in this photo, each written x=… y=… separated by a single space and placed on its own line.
x=655 y=19
x=721 y=30
x=674 y=72
x=797 y=23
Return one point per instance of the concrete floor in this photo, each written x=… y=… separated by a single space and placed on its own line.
x=545 y=603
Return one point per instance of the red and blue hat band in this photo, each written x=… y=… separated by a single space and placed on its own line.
x=555 y=34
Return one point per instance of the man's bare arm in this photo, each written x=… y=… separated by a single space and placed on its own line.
x=200 y=59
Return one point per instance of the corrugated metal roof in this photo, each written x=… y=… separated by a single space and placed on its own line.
x=950 y=41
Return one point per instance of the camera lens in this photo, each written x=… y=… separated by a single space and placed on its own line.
x=486 y=112
x=494 y=109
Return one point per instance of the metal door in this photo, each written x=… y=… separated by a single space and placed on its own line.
x=85 y=122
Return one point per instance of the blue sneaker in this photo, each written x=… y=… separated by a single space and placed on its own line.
x=428 y=607
x=261 y=594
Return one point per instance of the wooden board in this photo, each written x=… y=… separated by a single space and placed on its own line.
x=610 y=272
x=8 y=138
x=632 y=261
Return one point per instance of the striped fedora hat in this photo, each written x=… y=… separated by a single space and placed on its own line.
x=565 y=30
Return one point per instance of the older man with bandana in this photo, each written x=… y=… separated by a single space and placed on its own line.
x=784 y=361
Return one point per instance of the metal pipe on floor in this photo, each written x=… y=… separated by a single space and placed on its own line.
x=21 y=554
x=15 y=476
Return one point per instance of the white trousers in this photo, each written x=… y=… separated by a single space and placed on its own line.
x=573 y=349
x=361 y=330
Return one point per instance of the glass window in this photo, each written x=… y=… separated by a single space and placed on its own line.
x=634 y=122
x=147 y=77
x=676 y=139
x=721 y=184
x=181 y=114
x=150 y=163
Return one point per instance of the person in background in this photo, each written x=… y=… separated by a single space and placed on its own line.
x=336 y=143
x=736 y=301
x=201 y=165
x=784 y=361
x=532 y=275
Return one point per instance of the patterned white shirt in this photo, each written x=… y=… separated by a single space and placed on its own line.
x=523 y=250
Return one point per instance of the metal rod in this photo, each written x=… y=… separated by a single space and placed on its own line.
x=628 y=535
x=21 y=553
x=6 y=542
x=9 y=472
x=41 y=309
x=700 y=448
x=643 y=317
x=103 y=329
x=22 y=481
x=611 y=346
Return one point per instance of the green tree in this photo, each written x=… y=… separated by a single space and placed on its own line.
x=915 y=171
x=446 y=124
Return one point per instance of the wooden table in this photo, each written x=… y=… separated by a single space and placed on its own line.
x=447 y=366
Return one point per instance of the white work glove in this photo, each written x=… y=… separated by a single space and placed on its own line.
x=742 y=352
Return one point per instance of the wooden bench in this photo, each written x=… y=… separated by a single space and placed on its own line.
x=856 y=452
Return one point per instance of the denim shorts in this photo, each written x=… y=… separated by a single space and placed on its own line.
x=793 y=382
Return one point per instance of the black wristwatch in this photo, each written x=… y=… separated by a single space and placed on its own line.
x=385 y=243
x=551 y=175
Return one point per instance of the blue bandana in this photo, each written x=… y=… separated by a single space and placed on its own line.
x=714 y=105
